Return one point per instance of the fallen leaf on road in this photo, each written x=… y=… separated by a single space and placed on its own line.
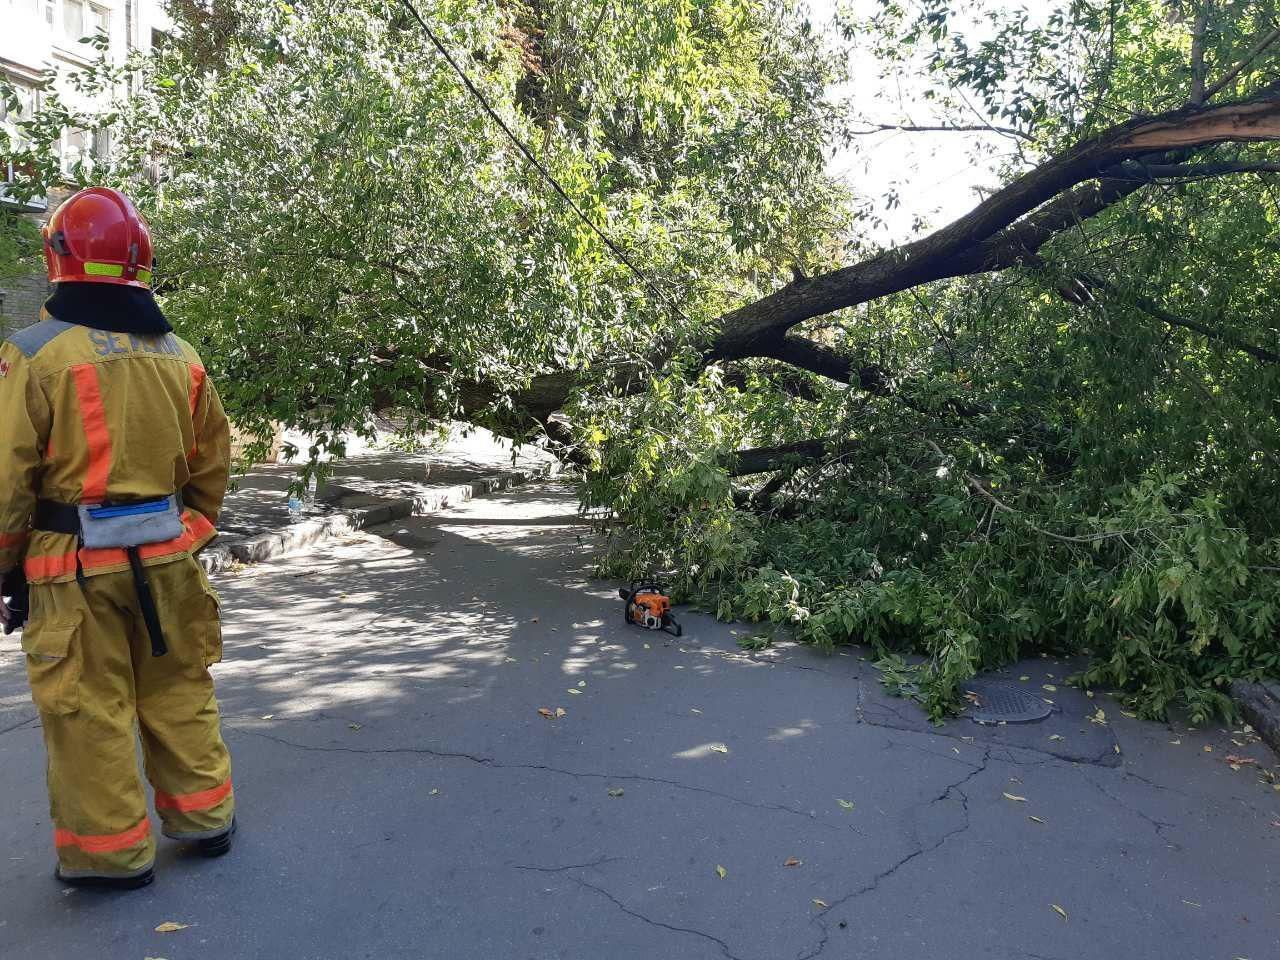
x=1056 y=736
x=269 y=716
x=1049 y=686
x=1239 y=761
x=576 y=693
x=820 y=904
x=582 y=683
x=560 y=712
x=719 y=748
x=695 y=710
x=721 y=872
x=354 y=726
x=170 y=927
x=435 y=792
x=1035 y=819
x=1024 y=678
x=533 y=620
x=1015 y=798
x=847 y=804
x=1099 y=717
x=1176 y=743
x=1115 y=747
x=1191 y=903
x=616 y=792
x=792 y=862
x=546 y=712
x=1208 y=749
x=1059 y=911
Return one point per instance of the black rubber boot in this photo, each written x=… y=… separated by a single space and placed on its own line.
x=108 y=883
x=217 y=846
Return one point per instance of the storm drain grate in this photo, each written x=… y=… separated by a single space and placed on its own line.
x=995 y=701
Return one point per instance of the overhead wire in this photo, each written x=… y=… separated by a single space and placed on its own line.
x=535 y=162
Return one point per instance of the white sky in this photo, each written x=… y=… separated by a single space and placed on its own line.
x=934 y=173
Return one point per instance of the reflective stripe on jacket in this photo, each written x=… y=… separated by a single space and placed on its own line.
x=88 y=416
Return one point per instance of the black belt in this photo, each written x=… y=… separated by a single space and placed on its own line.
x=52 y=516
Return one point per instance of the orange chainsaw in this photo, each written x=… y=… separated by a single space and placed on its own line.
x=647 y=605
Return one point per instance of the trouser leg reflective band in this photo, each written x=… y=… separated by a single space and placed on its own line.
x=147 y=604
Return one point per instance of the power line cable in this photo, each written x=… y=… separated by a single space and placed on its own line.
x=534 y=161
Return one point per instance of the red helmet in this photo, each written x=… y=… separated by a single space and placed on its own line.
x=97 y=236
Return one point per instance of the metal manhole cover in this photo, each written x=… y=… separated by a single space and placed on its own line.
x=994 y=701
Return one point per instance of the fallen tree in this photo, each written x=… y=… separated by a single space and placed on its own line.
x=1042 y=423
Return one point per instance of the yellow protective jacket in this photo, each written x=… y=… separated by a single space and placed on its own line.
x=88 y=416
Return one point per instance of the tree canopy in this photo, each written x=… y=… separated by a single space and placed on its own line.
x=1047 y=425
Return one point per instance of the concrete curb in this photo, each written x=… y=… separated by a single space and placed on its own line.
x=225 y=552
x=1261 y=708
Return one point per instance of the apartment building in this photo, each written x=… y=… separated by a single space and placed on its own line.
x=37 y=36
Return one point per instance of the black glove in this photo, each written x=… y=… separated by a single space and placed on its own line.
x=14 y=590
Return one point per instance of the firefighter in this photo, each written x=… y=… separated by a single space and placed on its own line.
x=116 y=454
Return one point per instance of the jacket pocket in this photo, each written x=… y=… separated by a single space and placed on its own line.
x=54 y=664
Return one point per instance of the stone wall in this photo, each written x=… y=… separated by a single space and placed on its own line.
x=20 y=301
x=22 y=298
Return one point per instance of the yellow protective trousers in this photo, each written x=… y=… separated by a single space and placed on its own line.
x=98 y=687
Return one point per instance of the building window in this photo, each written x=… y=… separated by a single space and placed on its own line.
x=73 y=19
x=9 y=117
x=100 y=18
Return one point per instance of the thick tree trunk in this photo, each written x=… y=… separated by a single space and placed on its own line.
x=1006 y=230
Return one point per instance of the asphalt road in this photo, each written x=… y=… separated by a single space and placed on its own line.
x=401 y=796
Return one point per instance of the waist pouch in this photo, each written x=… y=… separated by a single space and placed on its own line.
x=131 y=524
x=120 y=525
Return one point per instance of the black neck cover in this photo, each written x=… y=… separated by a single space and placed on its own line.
x=108 y=306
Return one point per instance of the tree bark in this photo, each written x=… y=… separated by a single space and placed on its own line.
x=1005 y=230
x=767 y=459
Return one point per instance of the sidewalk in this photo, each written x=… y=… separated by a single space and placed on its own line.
x=377 y=483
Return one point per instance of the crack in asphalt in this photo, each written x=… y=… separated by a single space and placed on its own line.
x=920 y=851
x=1197 y=798
x=724 y=947
x=496 y=764
x=1106 y=757
x=1159 y=825
x=19 y=725
x=599 y=861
